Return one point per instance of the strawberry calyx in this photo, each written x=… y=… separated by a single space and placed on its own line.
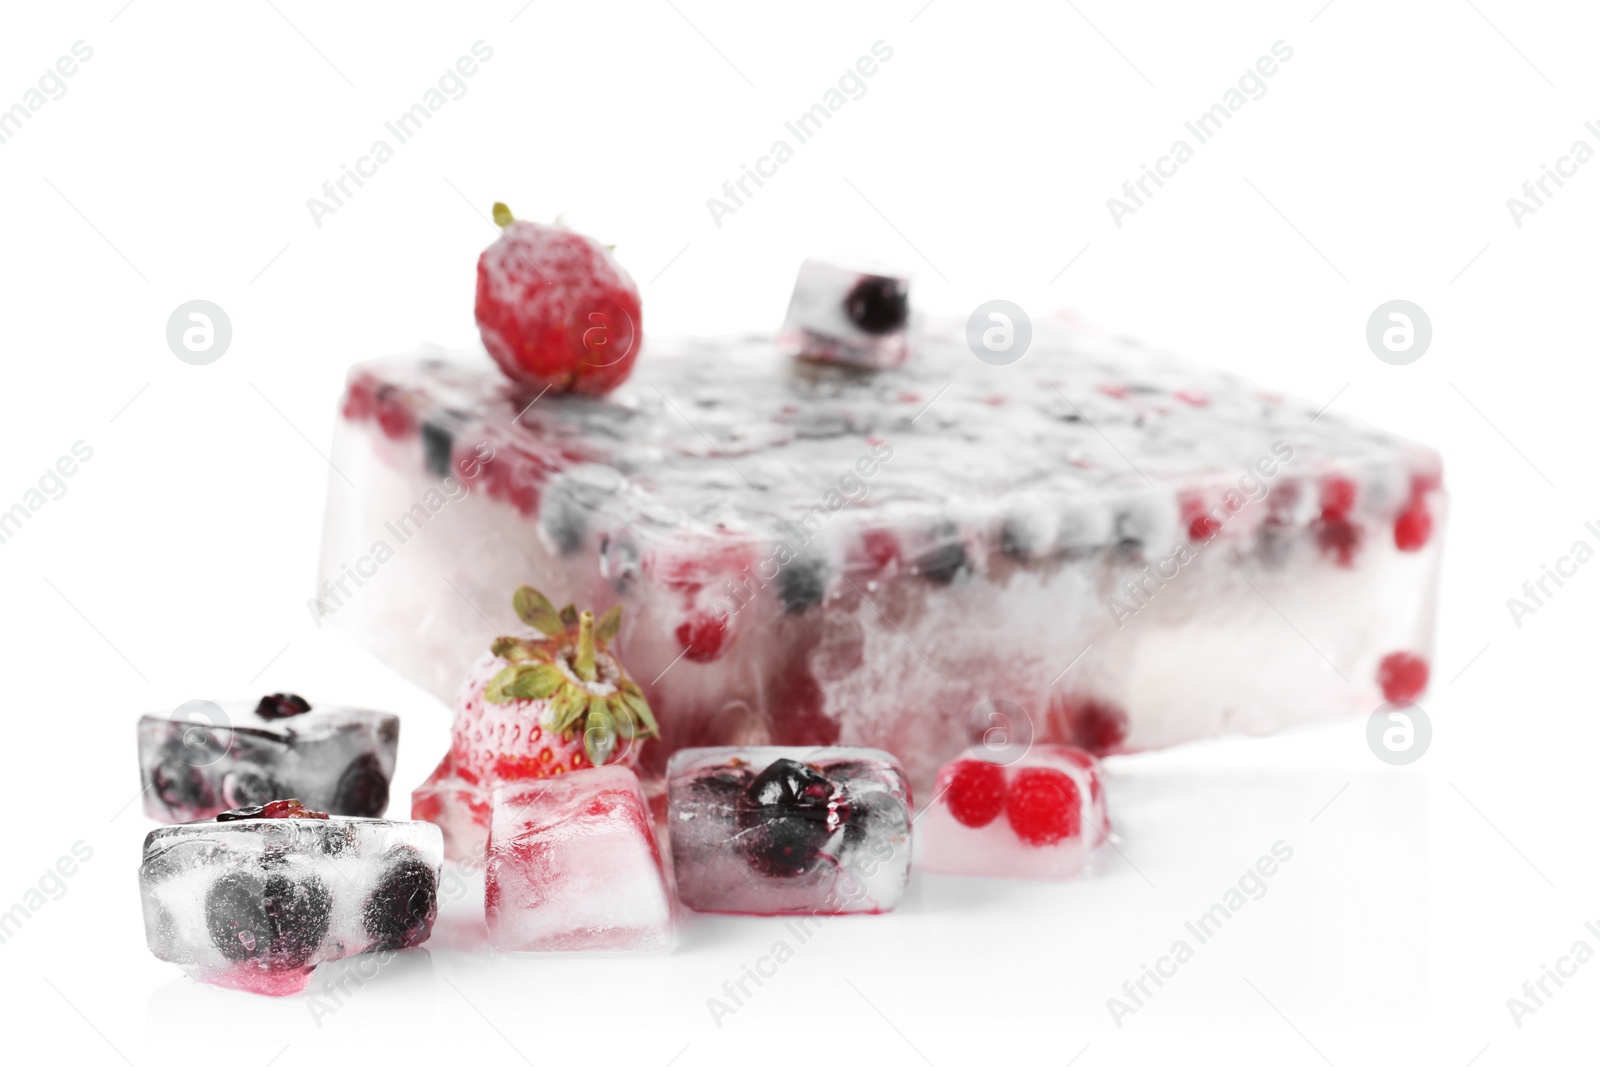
x=586 y=687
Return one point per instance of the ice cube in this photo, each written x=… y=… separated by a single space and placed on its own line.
x=848 y=313
x=1135 y=550
x=1040 y=817
x=573 y=865
x=458 y=807
x=205 y=757
x=256 y=898
x=783 y=831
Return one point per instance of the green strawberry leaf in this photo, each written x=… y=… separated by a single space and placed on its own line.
x=569 y=616
x=641 y=711
x=524 y=681
x=519 y=650
x=600 y=735
x=533 y=608
x=605 y=630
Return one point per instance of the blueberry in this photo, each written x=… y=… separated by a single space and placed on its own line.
x=941 y=564
x=437 y=441
x=801 y=585
x=282 y=706
x=876 y=813
x=564 y=522
x=399 y=913
x=786 y=817
x=877 y=305
x=178 y=783
x=363 y=788
x=248 y=786
x=277 y=918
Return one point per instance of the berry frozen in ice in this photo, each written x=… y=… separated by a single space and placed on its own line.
x=278 y=919
x=555 y=309
x=363 y=788
x=1402 y=676
x=282 y=706
x=975 y=791
x=400 y=912
x=801 y=584
x=787 y=814
x=1043 y=805
x=277 y=809
x=877 y=304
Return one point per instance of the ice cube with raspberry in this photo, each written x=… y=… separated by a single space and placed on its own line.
x=1041 y=817
x=573 y=865
x=855 y=314
x=549 y=699
x=257 y=897
x=206 y=757
x=779 y=831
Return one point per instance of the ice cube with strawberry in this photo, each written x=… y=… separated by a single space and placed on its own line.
x=548 y=700
x=1040 y=818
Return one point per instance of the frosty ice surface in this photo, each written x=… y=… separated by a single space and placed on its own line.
x=204 y=757
x=1040 y=817
x=850 y=314
x=1135 y=550
x=573 y=865
x=780 y=831
x=257 y=901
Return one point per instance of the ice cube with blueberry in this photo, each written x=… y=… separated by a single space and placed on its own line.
x=855 y=314
x=573 y=865
x=256 y=898
x=204 y=758
x=1040 y=817
x=778 y=831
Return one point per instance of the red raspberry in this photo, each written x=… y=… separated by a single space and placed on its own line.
x=1043 y=806
x=975 y=792
x=1403 y=676
x=1414 y=526
x=1095 y=725
x=394 y=417
x=705 y=636
x=1338 y=497
x=880 y=547
x=555 y=310
x=359 y=399
x=1201 y=526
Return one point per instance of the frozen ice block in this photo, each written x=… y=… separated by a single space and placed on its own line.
x=461 y=810
x=1041 y=817
x=205 y=758
x=852 y=314
x=573 y=865
x=785 y=831
x=1134 y=550
x=255 y=899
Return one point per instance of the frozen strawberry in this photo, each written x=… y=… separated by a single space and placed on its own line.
x=555 y=309
x=1402 y=676
x=550 y=700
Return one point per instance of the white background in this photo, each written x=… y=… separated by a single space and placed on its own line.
x=177 y=166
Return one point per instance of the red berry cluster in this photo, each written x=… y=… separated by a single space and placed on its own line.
x=1041 y=804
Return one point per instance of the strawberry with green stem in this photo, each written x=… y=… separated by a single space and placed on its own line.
x=549 y=700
